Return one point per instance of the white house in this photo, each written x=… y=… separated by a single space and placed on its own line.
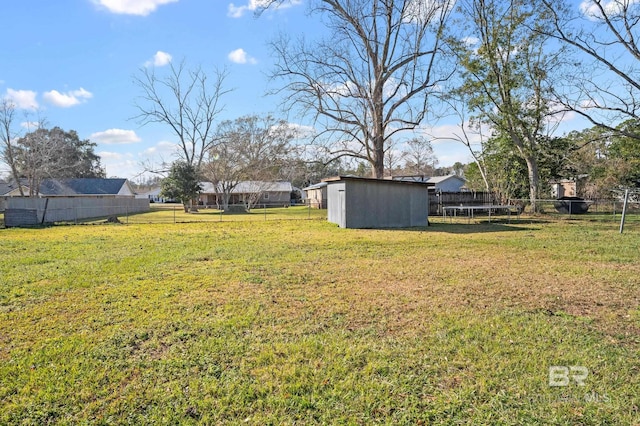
x=153 y=195
x=255 y=193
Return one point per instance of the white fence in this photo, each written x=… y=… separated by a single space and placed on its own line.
x=24 y=211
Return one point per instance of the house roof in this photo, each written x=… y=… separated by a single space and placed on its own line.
x=7 y=187
x=440 y=179
x=374 y=180
x=82 y=186
x=76 y=186
x=11 y=188
x=315 y=186
x=429 y=179
x=152 y=192
x=248 y=187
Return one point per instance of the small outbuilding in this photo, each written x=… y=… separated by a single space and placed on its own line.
x=355 y=202
x=316 y=195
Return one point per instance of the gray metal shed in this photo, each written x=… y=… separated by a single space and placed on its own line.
x=355 y=202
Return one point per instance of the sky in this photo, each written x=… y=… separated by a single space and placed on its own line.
x=73 y=63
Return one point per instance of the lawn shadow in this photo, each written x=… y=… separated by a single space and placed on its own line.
x=479 y=227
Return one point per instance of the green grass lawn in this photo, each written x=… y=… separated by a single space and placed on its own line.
x=300 y=322
x=174 y=213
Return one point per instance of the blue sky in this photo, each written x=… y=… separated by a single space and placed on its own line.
x=72 y=63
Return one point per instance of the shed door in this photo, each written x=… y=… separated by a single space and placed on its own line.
x=343 y=209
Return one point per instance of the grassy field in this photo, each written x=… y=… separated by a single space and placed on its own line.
x=283 y=322
x=173 y=213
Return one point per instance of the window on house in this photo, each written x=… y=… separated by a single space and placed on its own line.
x=265 y=196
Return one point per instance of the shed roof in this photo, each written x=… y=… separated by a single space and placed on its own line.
x=376 y=181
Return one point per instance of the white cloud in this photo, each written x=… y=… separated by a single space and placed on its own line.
x=160 y=149
x=132 y=7
x=611 y=8
x=418 y=10
x=452 y=133
x=30 y=125
x=22 y=99
x=110 y=156
x=560 y=115
x=447 y=158
x=394 y=88
x=588 y=103
x=301 y=131
x=115 y=137
x=160 y=59
x=234 y=11
x=470 y=41
x=346 y=89
x=68 y=99
x=239 y=56
x=120 y=165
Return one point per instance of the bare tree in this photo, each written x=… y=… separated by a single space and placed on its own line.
x=188 y=102
x=373 y=78
x=7 y=135
x=603 y=86
x=419 y=157
x=470 y=133
x=36 y=156
x=507 y=74
x=54 y=153
x=393 y=161
x=250 y=148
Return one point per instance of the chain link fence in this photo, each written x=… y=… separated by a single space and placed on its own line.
x=174 y=213
x=600 y=210
x=577 y=208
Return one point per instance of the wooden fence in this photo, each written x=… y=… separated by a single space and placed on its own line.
x=26 y=211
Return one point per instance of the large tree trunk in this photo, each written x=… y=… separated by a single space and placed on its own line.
x=378 y=158
x=225 y=201
x=534 y=179
x=526 y=151
x=378 y=135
